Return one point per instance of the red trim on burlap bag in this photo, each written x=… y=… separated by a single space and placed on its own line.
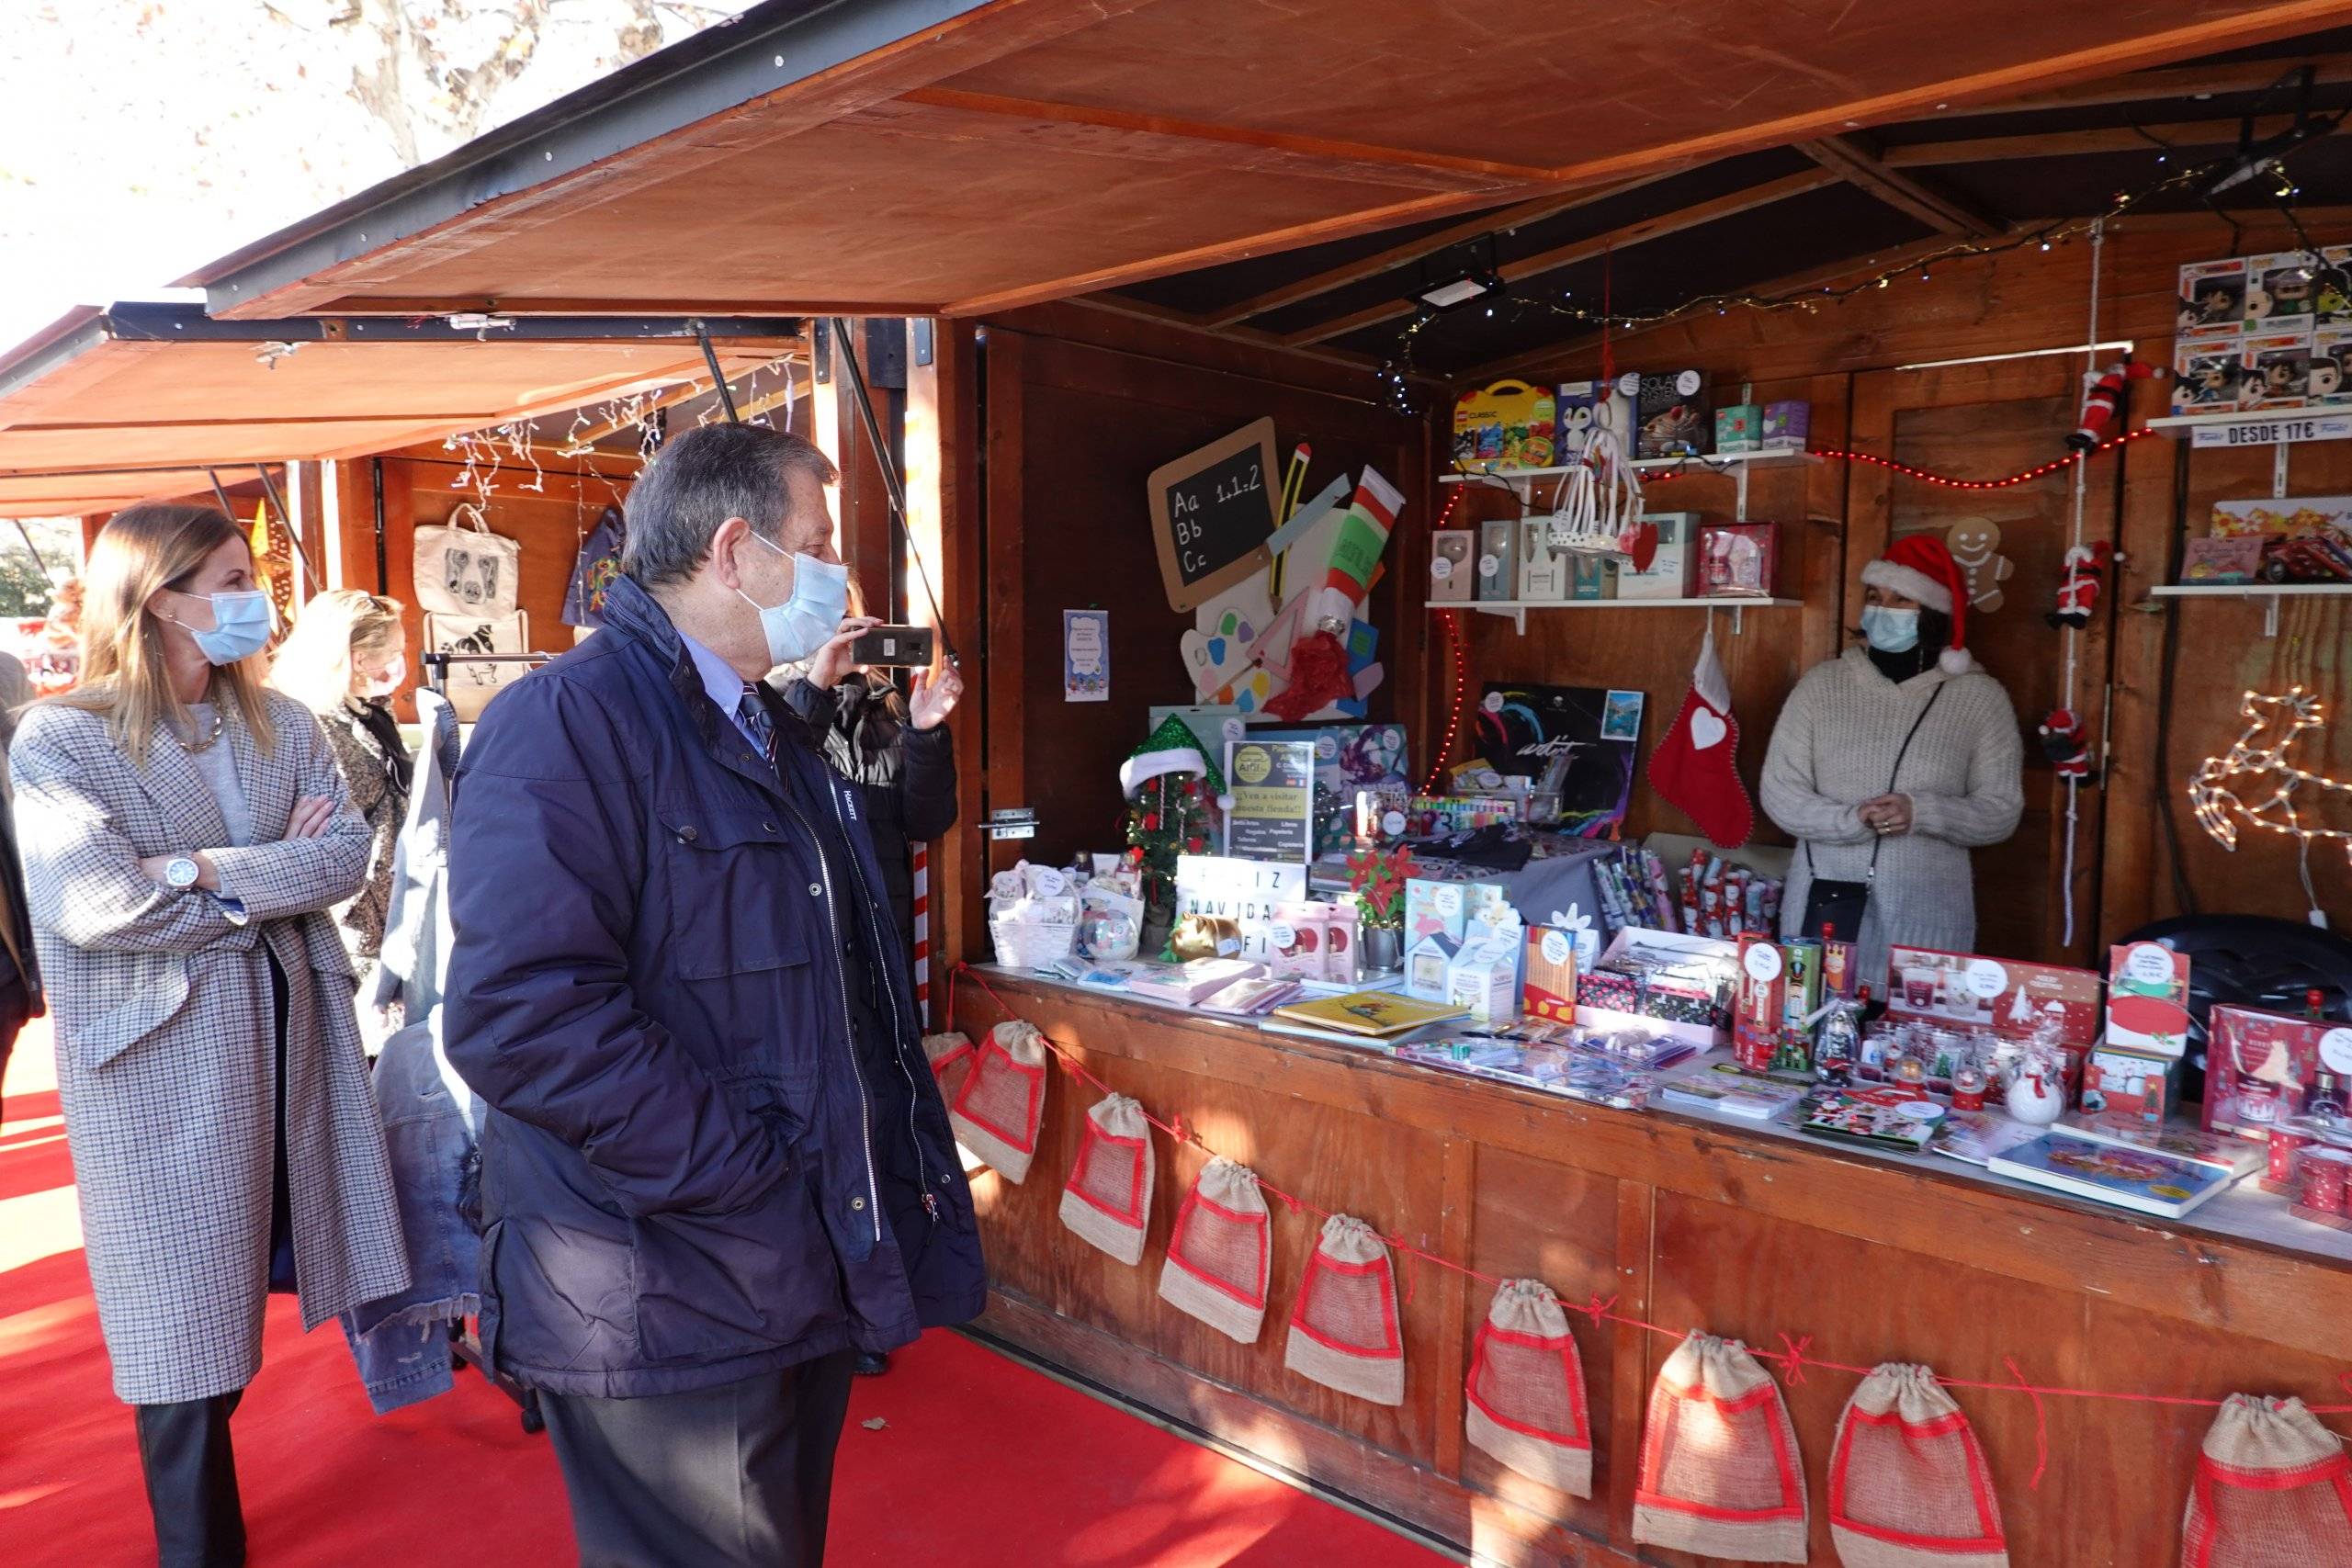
x=998 y=1111
x=1909 y=1485
x=1525 y=1395
x=951 y=1056
x=1221 y=1252
x=1715 y=1428
x=1107 y=1199
x=2272 y=1487
x=1347 y=1290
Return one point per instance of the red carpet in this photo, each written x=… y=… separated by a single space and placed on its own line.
x=982 y=1462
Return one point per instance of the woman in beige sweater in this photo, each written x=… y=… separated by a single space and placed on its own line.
x=1831 y=779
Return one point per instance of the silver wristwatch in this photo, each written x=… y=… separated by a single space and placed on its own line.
x=181 y=873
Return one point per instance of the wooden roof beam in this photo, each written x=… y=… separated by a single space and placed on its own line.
x=1493 y=222
x=2194 y=134
x=1941 y=210
x=1630 y=234
x=2149 y=87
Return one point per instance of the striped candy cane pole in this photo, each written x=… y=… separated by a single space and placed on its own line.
x=922 y=935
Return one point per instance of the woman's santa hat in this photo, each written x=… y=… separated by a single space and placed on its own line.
x=1920 y=566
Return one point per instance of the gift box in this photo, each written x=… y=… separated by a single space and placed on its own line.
x=1787 y=426
x=1739 y=427
x=1542 y=566
x=1583 y=406
x=1453 y=578
x=2117 y=1081
x=1662 y=982
x=1497 y=558
x=1759 y=1002
x=1508 y=425
x=1669 y=411
x=1550 y=989
x=2281 y=291
x=2010 y=997
x=1593 y=576
x=1427 y=962
x=2222 y=560
x=1674 y=570
x=1737 y=561
x=2275 y=369
x=2212 y=295
x=1483 y=980
x=2206 y=371
x=2259 y=1066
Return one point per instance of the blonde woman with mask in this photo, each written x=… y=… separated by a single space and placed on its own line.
x=344 y=660
x=185 y=832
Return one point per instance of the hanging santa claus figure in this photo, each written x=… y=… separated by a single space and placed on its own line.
x=2081 y=575
x=2062 y=742
x=2102 y=396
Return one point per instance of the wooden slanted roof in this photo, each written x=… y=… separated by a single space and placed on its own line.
x=107 y=407
x=938 y=157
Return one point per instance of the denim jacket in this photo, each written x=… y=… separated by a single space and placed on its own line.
x=432 y=1119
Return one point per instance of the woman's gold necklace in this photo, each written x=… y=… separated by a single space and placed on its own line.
x=192 y=746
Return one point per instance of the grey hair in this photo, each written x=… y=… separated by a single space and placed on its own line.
x=699 y=481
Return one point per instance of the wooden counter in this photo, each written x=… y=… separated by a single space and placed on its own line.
x=1685 y=1221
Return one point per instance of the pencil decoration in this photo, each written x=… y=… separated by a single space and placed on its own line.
x=1294 y=490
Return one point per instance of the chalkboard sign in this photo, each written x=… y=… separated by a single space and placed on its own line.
x=1212 y=512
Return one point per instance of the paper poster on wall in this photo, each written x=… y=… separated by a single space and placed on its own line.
x=1578 y=740
x=470 y=686
x=1272 y=815
x=1086 y=656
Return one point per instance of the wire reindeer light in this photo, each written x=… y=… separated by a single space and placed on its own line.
x=2253 y=782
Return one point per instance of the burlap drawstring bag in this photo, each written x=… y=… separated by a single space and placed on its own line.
x=1908 y=1485
x=950 y=1062
x=1220 y=1253
x=997 y=1111
x=1525 y=1395
x=2273 y=1489
x=1720 y=1474
x=1343 y=1332
x=1108 y=1198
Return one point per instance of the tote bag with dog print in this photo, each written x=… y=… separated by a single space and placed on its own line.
x=463 y=570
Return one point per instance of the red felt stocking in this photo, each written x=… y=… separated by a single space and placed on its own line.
x=1696 y=766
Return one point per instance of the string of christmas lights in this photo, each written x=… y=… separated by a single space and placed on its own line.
x=1459 y=653
x=1395 y=369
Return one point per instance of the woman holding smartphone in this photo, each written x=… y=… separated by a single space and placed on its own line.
x=184 y=833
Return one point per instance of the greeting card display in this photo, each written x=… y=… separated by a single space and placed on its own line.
x=2147 y=998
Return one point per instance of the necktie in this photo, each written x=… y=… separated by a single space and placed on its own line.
x=754 y=715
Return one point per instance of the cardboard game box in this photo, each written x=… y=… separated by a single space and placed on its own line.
x=1670 y=412
x=1787 y=426
x=2207 y=368
x=2147 y=998
x=2277 y=367
x=2213 y=294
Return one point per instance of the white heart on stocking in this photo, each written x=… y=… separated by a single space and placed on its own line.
x=1706 y=729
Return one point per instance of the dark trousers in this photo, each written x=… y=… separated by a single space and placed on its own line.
x=184 y=1448
x=738 y=1476
x=192 y=1481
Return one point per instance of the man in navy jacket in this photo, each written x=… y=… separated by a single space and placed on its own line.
x=716 y=1165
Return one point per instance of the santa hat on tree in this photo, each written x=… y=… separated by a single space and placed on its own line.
x=1170 y=749
x=1920 y=566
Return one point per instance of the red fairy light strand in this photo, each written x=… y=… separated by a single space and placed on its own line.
x=2024 y=475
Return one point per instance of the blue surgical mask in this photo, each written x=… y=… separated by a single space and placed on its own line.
x=807 y=621
x=241 y=625
x=1890 y=630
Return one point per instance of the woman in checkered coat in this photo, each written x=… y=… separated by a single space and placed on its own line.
x=184 y=831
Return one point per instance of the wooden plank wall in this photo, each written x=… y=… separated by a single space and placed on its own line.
x=1082 y=405
x=1986 y=420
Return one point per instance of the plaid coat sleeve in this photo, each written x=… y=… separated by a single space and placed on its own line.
x=294 y=876
x=82 y=876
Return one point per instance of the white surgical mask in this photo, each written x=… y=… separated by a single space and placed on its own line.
x=1890 y=630
x=806 y=621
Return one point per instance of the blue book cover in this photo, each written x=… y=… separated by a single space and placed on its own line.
x=2145 y=1179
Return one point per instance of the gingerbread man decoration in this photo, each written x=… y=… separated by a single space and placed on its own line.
x=1976 y=546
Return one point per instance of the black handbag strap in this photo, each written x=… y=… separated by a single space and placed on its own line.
x=1878 y=841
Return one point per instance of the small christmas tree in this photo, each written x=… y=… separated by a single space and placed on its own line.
x=1171 y=786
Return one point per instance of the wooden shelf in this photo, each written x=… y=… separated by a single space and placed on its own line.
x=1726 y=462
x=2270 y=591
x=1517 y=608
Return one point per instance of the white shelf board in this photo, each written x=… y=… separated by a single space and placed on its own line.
x=2245 y=590
x=1725 y=602
x=2270 y=592
x=1723 y=462
x=2183 y=427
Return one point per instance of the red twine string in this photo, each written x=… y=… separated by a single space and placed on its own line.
x=1794 y=1357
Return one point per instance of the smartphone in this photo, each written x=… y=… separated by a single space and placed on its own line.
x=909 y=646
